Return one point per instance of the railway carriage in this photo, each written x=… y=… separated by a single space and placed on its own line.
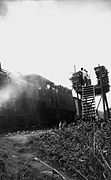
x=34 y=101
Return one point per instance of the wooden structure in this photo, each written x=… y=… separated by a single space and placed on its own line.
x=103 y=84
x=88 y=102
x=88 y=92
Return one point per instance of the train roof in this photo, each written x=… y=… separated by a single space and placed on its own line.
x=36 y=79
x=39 y=81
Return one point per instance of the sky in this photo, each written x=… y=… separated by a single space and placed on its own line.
x=50 y=37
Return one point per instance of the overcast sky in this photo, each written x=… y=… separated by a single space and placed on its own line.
x=50 y=37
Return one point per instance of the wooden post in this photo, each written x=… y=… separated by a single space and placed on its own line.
x=107 y=106
x=77 y=92
x=103 y=97
x=74 y=68
x=99 y=103
x=98 y=106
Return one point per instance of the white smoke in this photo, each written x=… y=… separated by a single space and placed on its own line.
x=10 y=92
x=5 y=95
x=16 y=89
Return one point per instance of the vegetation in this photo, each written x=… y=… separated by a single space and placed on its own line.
x=83 y=151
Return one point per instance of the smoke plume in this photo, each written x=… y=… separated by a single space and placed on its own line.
x=16 y=89
x=9 y=94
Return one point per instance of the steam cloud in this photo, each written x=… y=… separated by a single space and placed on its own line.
x=8 y=95
x=15 y=90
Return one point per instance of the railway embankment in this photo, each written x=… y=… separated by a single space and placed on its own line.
x=75 y=152
x=18 y=161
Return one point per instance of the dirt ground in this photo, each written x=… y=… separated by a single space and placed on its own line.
x=18 y=162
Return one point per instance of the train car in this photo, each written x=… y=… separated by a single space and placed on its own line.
x=55 y=103
x=34 y=101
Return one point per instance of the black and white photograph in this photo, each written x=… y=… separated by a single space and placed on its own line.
x=55 y=96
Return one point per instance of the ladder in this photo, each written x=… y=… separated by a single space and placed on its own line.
x=88 y=102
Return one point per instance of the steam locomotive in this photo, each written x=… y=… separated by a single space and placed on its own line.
x=34 y=101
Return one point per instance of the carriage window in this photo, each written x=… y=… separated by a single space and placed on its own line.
x=57 y=90
x=48 y=86
x=53 y=88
